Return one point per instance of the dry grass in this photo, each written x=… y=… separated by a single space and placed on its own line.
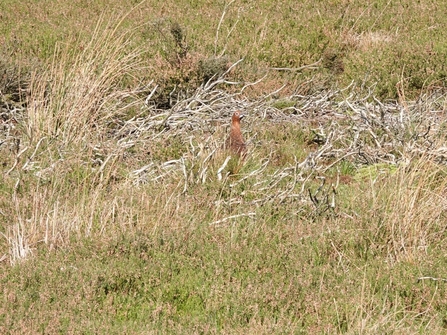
x=83 y=89
x=120 y=213
x=414 y=213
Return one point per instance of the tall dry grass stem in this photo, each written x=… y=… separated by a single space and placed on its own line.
x=83 y=86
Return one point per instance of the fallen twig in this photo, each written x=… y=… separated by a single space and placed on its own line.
x=232 y=217
x=432 y=278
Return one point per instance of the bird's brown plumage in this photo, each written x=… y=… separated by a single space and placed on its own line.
x=235 y=141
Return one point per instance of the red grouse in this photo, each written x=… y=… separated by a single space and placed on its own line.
x=235 y=143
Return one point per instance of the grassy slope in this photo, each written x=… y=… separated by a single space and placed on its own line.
x=111 y=253
x=380 y=43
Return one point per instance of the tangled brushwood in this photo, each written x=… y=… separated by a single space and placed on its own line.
x=179 y=150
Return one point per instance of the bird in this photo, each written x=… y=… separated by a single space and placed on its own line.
x=235 y=142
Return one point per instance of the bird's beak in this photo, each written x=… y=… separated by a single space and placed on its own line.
x=241 y=116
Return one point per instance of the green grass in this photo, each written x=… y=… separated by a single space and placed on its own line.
x=121 y=214
x=244 y=276
x=395 y=47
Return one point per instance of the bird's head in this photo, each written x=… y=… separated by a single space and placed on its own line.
x=237 y=117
